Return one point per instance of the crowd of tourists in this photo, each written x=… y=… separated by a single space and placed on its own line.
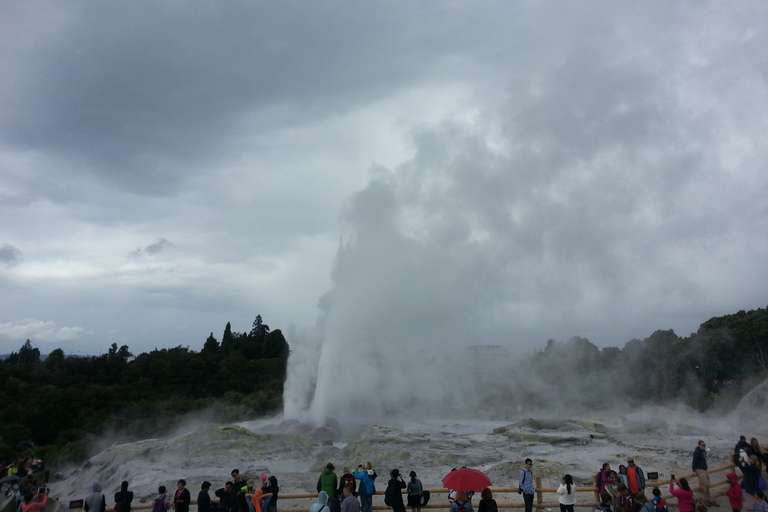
x=620 y=491
x=625 y=491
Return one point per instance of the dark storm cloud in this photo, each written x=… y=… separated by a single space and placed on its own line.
x=143 y=93
x=10 y=256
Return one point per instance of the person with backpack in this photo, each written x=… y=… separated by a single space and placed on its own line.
x=393 y=496
x=322 y=503
x=525 y=485
x=160 y=502
x=461 y=503
x=659 y=503
x=347 y=479
x=415 y=491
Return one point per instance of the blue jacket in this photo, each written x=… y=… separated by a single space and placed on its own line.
x=367 y=485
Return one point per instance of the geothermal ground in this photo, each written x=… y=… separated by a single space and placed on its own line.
x=659 y=440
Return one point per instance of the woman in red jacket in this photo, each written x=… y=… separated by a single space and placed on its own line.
x=684 y=495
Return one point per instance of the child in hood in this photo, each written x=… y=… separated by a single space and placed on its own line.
x=160 y=503
x=734 y=492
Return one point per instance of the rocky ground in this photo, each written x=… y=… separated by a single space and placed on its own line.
x=658 y=440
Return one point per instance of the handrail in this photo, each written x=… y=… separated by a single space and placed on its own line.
x=539 y=502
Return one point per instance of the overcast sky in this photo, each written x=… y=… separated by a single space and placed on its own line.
x=494 y=172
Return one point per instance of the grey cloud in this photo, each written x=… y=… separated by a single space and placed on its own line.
x=153 y=249
x=144 y=99
x=10 y=256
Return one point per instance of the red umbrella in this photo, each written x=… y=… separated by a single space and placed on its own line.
x=466 y=479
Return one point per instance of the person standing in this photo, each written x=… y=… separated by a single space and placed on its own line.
x=203 y=498
x=322 y=503
x=566 y=494
x=635 y=476
x=327 y=480
x=525 y=485
x=181 y=497
x=487 y=503
x=240 y=486
x=699 y=466
x=227 y=498
x=159 y=502
x=95 y=502
x=347 y=478
x=367 y=489
x=734 y=492
x=273 y=490
x=349 y=503
x=123 y=498
x=394 y=494
x=415 y=491
x=34 y=502
x=684 y=495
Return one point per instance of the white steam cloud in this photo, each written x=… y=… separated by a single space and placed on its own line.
x=608 y=188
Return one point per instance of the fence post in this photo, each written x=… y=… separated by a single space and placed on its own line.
x=597 y=489
x=539 y=494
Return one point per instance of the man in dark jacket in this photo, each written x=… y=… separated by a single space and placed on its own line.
x=700 y=467
x=227 y=498
x=394 y=492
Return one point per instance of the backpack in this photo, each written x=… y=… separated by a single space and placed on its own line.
x=461 y=506
x=599 y=480
x=348 y=480
x=424 y=498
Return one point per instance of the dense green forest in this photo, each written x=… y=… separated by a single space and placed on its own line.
x=55 y=407
x=711 y=368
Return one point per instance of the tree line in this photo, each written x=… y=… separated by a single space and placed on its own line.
x=55 y=407
x=708 y=370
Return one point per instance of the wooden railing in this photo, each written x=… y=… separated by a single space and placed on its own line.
x=502 y=495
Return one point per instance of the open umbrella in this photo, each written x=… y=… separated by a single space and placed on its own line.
x=9 y=479
x=466 y=479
